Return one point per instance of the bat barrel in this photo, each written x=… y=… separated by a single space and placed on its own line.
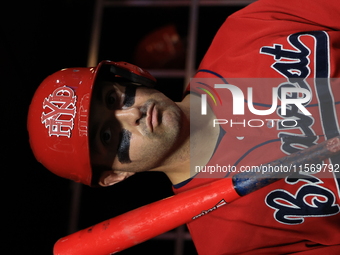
x=146 y=222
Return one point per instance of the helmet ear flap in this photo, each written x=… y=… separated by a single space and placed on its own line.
x=133 y=73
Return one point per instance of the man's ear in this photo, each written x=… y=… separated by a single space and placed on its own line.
x=109 y=178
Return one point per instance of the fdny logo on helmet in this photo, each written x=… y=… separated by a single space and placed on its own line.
x=59 y=112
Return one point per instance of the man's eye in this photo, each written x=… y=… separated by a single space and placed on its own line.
x=111 y=99
x=106 y=136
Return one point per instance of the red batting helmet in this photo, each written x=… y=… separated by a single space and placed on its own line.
x=59 y=114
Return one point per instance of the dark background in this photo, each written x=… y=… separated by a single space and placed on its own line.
x=40 y=37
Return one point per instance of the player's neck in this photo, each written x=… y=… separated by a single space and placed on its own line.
x=177 y=165
x=203 y=135
x=199 y=143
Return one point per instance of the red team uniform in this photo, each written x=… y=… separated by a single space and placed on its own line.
x=300 y=214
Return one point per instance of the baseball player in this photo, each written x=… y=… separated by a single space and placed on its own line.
x=100 y=125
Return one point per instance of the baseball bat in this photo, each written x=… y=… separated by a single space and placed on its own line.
x=146 y=222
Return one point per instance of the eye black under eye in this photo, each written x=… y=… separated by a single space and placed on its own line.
x=130 y=93
x=124 y=146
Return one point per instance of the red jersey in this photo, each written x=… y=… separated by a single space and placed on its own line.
x=300 y=214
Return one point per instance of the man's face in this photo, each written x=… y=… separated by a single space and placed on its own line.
x=132 y=128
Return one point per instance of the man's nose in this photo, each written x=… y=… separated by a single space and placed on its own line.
x=129 y=116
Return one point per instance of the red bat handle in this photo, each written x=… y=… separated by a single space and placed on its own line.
x=146 y=222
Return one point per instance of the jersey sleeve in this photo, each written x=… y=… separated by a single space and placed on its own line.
x=321 y=13
x=235 y=50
